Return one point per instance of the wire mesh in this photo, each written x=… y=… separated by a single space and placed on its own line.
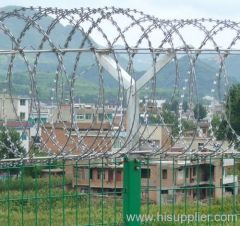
x=90 y=193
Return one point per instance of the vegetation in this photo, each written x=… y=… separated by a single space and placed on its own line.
x=56 y=206
x=233 y=111
x=87 y=74
x=10 y=140
x=30 y=184
x=169 y=115
x=200 y=111
x=48 y=200
x=220 y=125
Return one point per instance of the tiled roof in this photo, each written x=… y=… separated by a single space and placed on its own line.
x=81 y=125
x=17 y=124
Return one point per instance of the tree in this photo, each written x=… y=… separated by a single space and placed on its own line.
x=233 y=110
x=167 y=117
x=188 y=125
x=171 y=106
x=199 y=111
x=220 y=128
x=185 y=106
x=9 y=142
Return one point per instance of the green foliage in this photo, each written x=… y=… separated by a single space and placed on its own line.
x=185 y=106
x=233 y=110
x=171 y=118
x=32 y=171
x=29 y=184
x=220 y=128
x=71 y=207
x=188 y=125
x=167 y=117
x=200 y=111
x=172 y=106
x=10 y=140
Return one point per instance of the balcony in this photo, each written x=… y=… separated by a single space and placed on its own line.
x=228 y=162
x=230 y=179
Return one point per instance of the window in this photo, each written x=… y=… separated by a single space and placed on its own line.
x=200 y=145
x=194 y=171
x=82 y=174
x=164 y=192
x=22 y=102
x=145 y=173
x=186 y=172
x=36 y=139
x=98 y=174
x=91 y=174
x=101 y=174
x=24 y=136
x=118 y=175
x=117 y=144
x=108 y=117
x=80 y=117
x=110 y=175
x=164 y=174
x=88 y=116
x=22 y=115
x=100 y=116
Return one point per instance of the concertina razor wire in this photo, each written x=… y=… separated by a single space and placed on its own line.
x=114 y=40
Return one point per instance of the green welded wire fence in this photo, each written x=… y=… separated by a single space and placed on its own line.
x=92 y=192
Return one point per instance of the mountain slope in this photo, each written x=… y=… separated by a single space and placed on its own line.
x=87 y=72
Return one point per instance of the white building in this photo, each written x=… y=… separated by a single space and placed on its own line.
x=14 y=108
x=14 y=114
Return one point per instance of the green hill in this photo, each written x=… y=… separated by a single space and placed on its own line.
x=87 y=77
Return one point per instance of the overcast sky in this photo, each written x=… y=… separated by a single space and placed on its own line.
x=222 y=9
x=165 y=9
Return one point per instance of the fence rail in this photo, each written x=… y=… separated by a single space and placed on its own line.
x=69 y=192
x=127 y=157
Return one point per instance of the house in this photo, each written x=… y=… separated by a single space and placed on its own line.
x=175 y=181
x=14 y=113
x=76 y=139
x=41 y=115
x=14 y=107
x=155 y=137
x=83 y=113
x=163 y=181
x=97 y=177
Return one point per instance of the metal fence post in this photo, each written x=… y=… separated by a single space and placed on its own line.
x=131 y=192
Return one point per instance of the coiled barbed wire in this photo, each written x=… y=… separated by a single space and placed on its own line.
x=124 y=36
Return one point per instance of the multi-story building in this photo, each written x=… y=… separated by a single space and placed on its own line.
x=40 y=115
x=84 y=113
x=14 y=107
x=14 y=113
x=198 y=180
x=155 y=136
x=163 y=181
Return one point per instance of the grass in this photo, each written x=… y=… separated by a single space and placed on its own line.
x=29 y=202
x=58 y=206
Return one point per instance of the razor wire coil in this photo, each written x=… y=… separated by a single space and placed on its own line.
x=155 y=38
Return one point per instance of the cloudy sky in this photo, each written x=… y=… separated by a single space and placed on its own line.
x=163 y=9
x=222 y=9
